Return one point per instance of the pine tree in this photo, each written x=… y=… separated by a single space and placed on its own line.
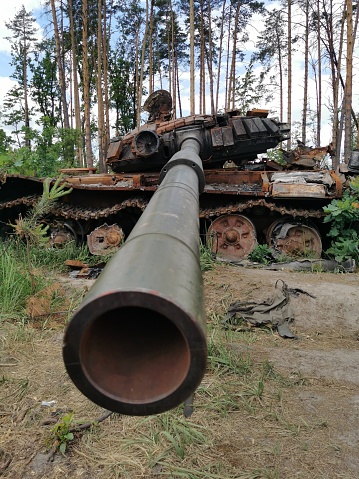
x=22 y=41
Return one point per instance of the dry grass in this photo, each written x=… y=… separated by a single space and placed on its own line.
x=251 y=419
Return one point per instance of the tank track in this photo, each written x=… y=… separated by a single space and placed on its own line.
x=68 y=211
x=81 y=213
x=208 y=213
x=24 y=200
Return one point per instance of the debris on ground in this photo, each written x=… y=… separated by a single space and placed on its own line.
x=83 y=270
x=316 y=265
x=274 y=312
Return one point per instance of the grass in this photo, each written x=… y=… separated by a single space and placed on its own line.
x=245 y=423
x=207 y=258
x=15 y=284
x=18 y=284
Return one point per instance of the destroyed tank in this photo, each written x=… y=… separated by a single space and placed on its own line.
x=247 y=198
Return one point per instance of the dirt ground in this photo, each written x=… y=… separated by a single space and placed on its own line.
x=304 y=424
x=324 y=358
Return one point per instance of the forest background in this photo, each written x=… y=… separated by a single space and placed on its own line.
x=80 y=70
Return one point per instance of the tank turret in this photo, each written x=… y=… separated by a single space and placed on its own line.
x=222 y=137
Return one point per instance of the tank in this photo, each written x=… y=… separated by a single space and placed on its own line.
x=247 y=198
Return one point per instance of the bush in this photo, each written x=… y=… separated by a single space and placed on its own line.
x=343 y=215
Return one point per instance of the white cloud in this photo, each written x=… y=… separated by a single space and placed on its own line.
x=8 y=13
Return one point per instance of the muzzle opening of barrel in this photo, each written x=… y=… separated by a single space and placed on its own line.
x=134 y=355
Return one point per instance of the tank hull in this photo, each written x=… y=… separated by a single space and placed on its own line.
x=97 y=199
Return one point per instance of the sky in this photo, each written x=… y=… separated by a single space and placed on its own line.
x=8 y=13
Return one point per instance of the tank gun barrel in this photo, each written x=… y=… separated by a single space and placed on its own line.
x=137 y=344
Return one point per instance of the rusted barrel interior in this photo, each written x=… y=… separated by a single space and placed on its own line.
x=139 y=359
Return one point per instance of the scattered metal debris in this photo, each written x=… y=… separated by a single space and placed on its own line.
x=82 y=270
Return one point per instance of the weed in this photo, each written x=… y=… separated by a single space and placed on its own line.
x=17 y=285
x=255 y=391
x=61 y=434
x=207 y=258
x=222 y=360
x=262 y=253
x=177 y=432
x=222 y=397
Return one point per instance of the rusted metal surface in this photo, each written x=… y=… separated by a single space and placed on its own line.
x=60 y=236
x=85 y=213
x=137 y=345
x=227 y=136
x=22 y=200
x=285 y=190
x=245 y=205
x=294 y=239
x=232 y=236
x=306 y=157
x=105 y=239
x=78 y=171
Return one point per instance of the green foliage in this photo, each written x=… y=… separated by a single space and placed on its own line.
x=262 y=253
x=225 y=361
x=53 y=259
x=251 y=90
x=52 y=148
x=343 y=216
x=15 y=282
x=276 y=155
x=61 y=433
x=5 y=142
x=30 y=227
x=207 y=259
x=44 y=91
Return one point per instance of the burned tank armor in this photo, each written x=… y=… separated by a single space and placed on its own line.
x=221 y=137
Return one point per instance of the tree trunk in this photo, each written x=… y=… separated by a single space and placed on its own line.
x=220 y=55
x=209 y=58
x=100 y=110
x=338 y=111
x=348 y=83
x=232 y=75
x=150 y=59
x=105 y=79
x=79 y=153
x=26 y=100
x=174 y=63
x=140 y=86
x=202 y=73
x=319 y=90
x=227 y=95
x=192 y=77
x=306 y=65
x=86 y=86
x=280 y=66
x=60 y=66
x=289 y=107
